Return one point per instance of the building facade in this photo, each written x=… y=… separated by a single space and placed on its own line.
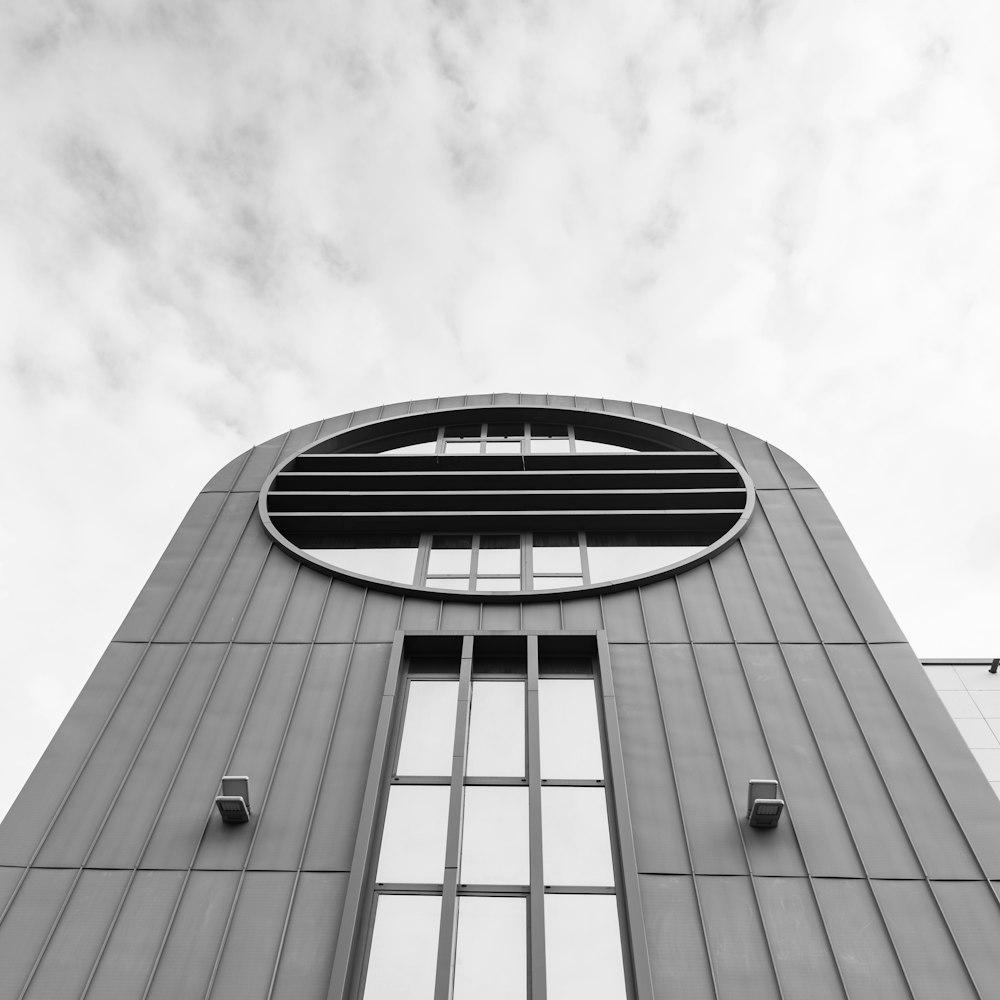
x=499 y=671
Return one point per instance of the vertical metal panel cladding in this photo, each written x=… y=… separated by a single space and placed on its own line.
x=675 y=936
x=306 y=958
x=74 y=948
x=27 y=922
x=38 y=803
x=772 y=657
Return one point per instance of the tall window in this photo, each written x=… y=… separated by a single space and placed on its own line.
x=494 y=871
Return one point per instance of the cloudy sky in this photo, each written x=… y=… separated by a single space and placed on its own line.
x=222 y=220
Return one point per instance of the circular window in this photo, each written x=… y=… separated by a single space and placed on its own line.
x=506 y=502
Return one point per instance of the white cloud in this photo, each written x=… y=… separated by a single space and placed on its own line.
x=219 y=221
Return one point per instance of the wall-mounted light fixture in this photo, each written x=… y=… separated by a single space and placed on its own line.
x=234 y=802
x=763 y=805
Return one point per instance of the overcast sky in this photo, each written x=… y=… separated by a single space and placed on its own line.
x=222 y=220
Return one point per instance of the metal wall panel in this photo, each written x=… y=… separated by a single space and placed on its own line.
x=457 y=617
x=342 y=613
x=282 y=827
x=36 y=805
x=929 y=822
x=256 y=753
x=260 y=463
x=305 y=606
x=685 y=422
x=127 y=957
x=741 y=601
x=420 y=615
x=716 y=434
x=306 y=958
x=250 y=950
x=867 y=605
x=188 y=607
x=93 y=792
x=379 y=617
x=77 y=939
x=623 y=613
x=957 y=774
x=933 y=964
x=810 y=800
x=675 y=939
x=237 y=586
x=224 y=480
x=875 y=825
x=148 y=781
x=970 y=910
x=823 y=600
x=270 y=595
x=190 y=803
x=706 y=807
x=745 y=755
x=334 y=424
x=27 y=923
x=803 y=958
x=541 y=617
x=703 y=611
x=861 y=943
x=154 y=599
x=737 y=944
x=662 y=613
x=755 y=456
x=331 y=840
x=582 y=614
x=777 y=588
x=501 y=617
x=9 y=879
x=656 y=822
x=794 y=476
x=298 y=438
x=193 y=936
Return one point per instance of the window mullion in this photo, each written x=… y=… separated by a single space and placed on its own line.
x=453 y=847
x=536 y=896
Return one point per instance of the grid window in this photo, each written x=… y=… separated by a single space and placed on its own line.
x=508 y=856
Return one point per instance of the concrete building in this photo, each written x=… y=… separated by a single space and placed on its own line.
x=500 y=672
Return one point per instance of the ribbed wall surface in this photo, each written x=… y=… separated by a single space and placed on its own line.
x=777 y=657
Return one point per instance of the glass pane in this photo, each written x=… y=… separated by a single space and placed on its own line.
x=450 y=554
x=503 y=447
x=555 y=582
x=585 y=447
x=499 y=554
x=499 y=583
x=428 y=740
x=421 y=448
x=548 y=431
x=613 y=562
x=496 y=730
x=461 y=447
x=403 y=958
x=549 y=446
x=505 y=430
x=413 y=837
x=463 y=431
x=570 y=744
x=396 y=564
x=453 y=583
x=556 y=554
x=491 y=951
x=576 y=845
x=583 y=948
x=495 y=839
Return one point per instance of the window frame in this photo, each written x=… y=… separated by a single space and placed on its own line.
x=357 y=923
